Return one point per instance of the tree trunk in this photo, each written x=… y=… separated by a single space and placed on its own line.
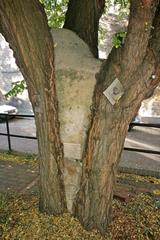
x=136 y=65
x=109 y=125
x=24 y=25
x=83 y=17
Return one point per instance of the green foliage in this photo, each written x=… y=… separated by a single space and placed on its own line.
x=17 y=88
x=118 y=39
x=123 y=6
x=19 y=158
x=55 y=11
x=122 y=3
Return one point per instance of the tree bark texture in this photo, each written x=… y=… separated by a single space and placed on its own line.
x=137 y=66
x=24 y=25
x=83 y=17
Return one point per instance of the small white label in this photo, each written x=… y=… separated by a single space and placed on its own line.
x=114 y=92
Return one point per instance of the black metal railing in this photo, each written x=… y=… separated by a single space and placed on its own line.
x=6 y=118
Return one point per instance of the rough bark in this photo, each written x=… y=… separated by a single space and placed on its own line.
x=83 y=17
x=24 y=25
x=137 y=66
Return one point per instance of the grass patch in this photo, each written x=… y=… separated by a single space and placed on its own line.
x=136 y=220
x=20 y=158
x=138 y=178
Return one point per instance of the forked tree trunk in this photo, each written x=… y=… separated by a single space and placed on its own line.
x=136 y=65
x=24 y=25
x=109 y=125
x=82 y=18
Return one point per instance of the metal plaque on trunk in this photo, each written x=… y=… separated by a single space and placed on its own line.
x=114 y=92
x=72 y=150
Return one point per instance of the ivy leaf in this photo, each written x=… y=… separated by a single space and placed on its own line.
x=17 y=88
x=118 y=39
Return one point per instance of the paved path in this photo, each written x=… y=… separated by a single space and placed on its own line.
x=22 y=127
x=15 y=177
x=20 y=179
x=139 y=137
x=142 y=163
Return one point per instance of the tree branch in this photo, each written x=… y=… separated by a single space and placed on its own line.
x=142 y=13
x=82 y=17
x=153 y=51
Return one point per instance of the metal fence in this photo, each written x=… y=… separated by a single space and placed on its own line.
x=6 y=118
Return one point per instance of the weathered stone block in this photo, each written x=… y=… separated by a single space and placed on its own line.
x=75 y=80
x=72 y=176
